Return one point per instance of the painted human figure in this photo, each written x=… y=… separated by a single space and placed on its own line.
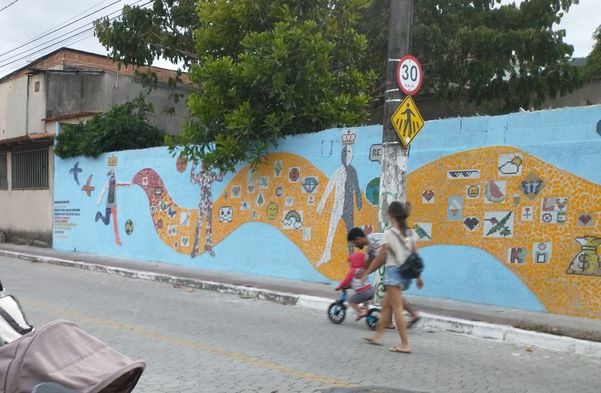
x=204 y=179
x=111 y=203
x=345 y=182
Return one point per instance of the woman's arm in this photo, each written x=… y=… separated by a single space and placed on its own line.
x=377 y=262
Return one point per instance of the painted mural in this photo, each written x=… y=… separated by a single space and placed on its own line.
x=286 y=193
x=514 y=224
x=540 y=221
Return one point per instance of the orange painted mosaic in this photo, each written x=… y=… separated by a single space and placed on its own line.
x=541 y=221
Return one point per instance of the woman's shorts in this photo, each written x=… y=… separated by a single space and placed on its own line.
x=360 y=297
x=392 y=277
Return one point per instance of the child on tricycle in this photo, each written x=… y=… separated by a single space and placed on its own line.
x=363 y=290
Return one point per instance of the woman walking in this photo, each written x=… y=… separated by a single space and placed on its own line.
x=396 y=245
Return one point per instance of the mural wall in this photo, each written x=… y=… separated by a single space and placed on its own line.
x=507 y=209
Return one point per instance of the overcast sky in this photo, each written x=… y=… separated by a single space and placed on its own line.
x=26 y=27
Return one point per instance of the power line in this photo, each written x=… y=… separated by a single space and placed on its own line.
x=75 y=36
x=86 y=26
x=6 y=6
x=61 y=26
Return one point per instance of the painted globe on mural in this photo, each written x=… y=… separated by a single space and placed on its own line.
x=182 y=163
x=372 y=191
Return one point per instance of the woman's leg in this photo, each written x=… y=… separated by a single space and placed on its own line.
x=410 y=309
x=384 y=318
x=396 y=302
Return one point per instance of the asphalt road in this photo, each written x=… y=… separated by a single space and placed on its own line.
x=202 y=341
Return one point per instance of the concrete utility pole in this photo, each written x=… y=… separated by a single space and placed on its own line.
x=394 y=155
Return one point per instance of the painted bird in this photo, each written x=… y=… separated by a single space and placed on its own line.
x=498 y=225
x=75 y=172
x=88 y=187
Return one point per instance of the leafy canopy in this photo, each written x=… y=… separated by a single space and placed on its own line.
x=592 y=69
x=123 y=127
x=272 y=69
x=499 y=57
x=267 y=69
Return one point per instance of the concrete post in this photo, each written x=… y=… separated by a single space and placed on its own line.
x=394 y=155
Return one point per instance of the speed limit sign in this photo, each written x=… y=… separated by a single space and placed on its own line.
x=409 y=75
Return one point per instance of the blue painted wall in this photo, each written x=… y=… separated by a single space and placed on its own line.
x=566 y=138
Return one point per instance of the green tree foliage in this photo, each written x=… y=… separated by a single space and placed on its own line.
x=267 y=69
x=142 y=34
x=264 y=69
x=592 y=69
x=498 y=57
x=271 y=69
x=121 y=128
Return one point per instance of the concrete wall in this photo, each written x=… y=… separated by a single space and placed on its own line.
x=13 y=99
x=36 y=108
x=26 y=216
x=589 y=94
x=79 y=92
x=22 y=108
x=507 y=209
x=75 y=92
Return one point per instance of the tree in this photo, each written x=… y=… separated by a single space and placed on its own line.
x=264 y=69
x=592 y=68
x=123 y=127
x=497 y=57
x=143 y=34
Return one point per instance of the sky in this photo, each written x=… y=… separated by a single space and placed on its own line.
x=26 y=27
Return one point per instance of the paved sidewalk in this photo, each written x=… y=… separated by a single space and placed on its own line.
x=570 y=334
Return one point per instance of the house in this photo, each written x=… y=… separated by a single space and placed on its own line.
x=65 y=86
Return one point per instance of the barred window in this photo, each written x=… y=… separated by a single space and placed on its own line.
x=30 y=169
x=3 y=172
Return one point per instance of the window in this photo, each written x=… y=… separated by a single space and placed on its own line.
x=30 y=169
x=36 y=86
x=3 y=174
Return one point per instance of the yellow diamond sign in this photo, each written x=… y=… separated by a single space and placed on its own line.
x=407 y=121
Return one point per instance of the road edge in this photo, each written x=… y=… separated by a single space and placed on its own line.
x=428 y=322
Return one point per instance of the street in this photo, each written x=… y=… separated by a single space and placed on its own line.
x=202 y=341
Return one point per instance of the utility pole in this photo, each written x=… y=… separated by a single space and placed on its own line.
x=393 y=177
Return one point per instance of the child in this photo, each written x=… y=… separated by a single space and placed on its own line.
x=362 y=288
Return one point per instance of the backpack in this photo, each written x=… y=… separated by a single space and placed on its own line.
x=414 y=264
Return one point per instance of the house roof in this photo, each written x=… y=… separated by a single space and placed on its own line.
x=69 y=116
x=23 y=139
x=66 y=57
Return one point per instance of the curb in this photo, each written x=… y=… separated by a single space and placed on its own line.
x=428 y=322
x=489 y=331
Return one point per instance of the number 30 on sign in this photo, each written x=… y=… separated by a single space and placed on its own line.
x=409 y=75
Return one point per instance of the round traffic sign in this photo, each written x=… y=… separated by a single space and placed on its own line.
x=409 y=75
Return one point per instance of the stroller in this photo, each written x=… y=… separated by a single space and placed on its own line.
x=59 y=357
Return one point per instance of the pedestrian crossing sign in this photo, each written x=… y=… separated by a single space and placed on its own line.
x=407 y=121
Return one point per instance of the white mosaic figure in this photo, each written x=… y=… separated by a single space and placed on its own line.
x=204 y=178
x=345 y=183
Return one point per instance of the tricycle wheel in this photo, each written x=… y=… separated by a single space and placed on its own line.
x=337 y=312
x=372 y=318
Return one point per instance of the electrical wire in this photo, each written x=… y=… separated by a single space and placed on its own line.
x=71 y=37
x=86 y=26
x=63 y=25
x=8 y=5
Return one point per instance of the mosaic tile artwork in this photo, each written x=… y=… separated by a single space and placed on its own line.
x=549 y=237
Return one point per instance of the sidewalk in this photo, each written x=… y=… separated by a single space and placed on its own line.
x=569 y=334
